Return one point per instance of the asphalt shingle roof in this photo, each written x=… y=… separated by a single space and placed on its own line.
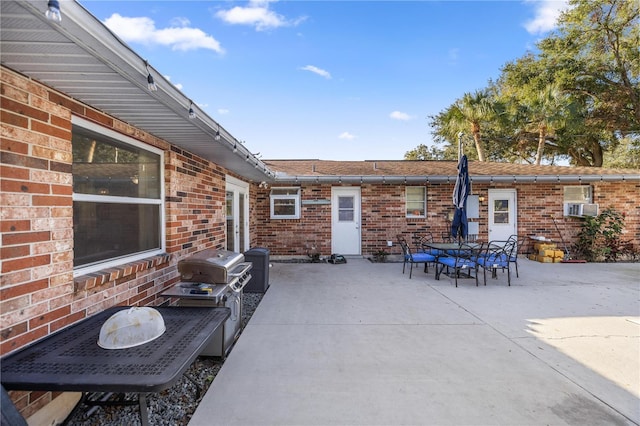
x=438 y=169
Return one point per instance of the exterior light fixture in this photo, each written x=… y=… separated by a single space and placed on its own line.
x=217 y=136
x=53 y=11
x=192 y=113
x=235 y=148
x=151 y=85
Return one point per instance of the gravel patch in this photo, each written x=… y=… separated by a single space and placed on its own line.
x=171 y=407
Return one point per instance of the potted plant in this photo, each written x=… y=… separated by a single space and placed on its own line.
x=380 y=256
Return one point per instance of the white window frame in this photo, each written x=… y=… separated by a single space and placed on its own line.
x=416 y=200
x=571 y=194
x=83 y=270
x=575 y=194
x=294 y=196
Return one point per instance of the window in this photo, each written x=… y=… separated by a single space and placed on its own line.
x=285 y=203
x=346 y=208
x=501 y=210
x=118 y=213
x=574 y=199
x=578 y=194
x=416 y=201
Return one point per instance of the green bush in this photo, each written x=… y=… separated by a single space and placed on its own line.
x=600 y=238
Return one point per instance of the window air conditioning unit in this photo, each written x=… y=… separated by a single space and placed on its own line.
x=582 y=209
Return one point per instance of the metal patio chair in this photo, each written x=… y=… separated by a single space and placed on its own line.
x=520 y=243
x=420 y=241
x=459 y=260
x=413 y=258
x=496 y=255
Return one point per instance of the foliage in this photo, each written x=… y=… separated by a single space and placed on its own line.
x=600 y=238
x=468 y=114
x=577 y=99
x=423 y=152
x=626 y=154
x=380 y=256
x=312 y=252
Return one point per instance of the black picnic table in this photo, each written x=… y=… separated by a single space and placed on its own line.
x=71 y=360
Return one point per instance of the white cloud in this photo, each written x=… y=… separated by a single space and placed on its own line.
x=546 y=15
x=180 y=21
x=258 y=15
x=402 y=116
x=317 y=70
x=178 y=37
x=347 y=136
x=223 y=111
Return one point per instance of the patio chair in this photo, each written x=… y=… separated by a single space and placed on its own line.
x=496 y=255
x=421 y=240
x=413 y=258
x=459 y=260
x=519 y=244
x=417 y=239
x=446 y=237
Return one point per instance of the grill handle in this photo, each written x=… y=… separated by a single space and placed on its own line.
x=241 y=269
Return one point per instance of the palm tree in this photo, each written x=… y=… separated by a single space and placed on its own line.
x=546 y=112
x=469 y=114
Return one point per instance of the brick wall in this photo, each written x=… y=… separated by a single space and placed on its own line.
x=38 y=293
x=383 y=215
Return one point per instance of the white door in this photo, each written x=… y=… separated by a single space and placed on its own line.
x=237 y=208
x=345 y=220
x=502 y=214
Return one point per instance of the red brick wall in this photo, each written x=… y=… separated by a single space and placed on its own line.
x=38 y=293
x=383 y=215
x=292 y=237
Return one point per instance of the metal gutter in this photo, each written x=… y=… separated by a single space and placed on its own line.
x=289 y=179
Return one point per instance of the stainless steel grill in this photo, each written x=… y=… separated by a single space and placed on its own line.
x=214 y=278
x=213 y=267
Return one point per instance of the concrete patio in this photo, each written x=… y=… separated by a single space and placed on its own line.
x=362 y=344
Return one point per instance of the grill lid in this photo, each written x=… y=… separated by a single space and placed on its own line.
x=209 y=266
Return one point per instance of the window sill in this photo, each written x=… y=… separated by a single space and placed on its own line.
x=98 y=278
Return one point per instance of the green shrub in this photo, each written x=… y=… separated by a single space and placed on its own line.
x=600 y=238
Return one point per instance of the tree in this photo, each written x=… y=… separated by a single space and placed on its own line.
x=597 y=46
x=423 y=152
x=577 y=98
x=467 y=114
x=625 y=155
x=546 y=112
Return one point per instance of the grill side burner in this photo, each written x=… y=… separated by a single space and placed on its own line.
x=214 y=278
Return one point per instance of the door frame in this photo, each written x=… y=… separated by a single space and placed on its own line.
x=356 y=191
x=238 y=188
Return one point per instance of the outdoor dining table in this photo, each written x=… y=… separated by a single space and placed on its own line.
x=71 y=360
x=447 y=249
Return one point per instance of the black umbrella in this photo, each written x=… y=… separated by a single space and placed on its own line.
x=459 y=225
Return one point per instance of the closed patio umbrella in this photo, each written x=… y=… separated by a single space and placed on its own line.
x=459 y=227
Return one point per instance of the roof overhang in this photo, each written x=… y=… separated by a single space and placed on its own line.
x=83 y=59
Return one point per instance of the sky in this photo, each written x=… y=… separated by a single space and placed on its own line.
x=331 y=80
